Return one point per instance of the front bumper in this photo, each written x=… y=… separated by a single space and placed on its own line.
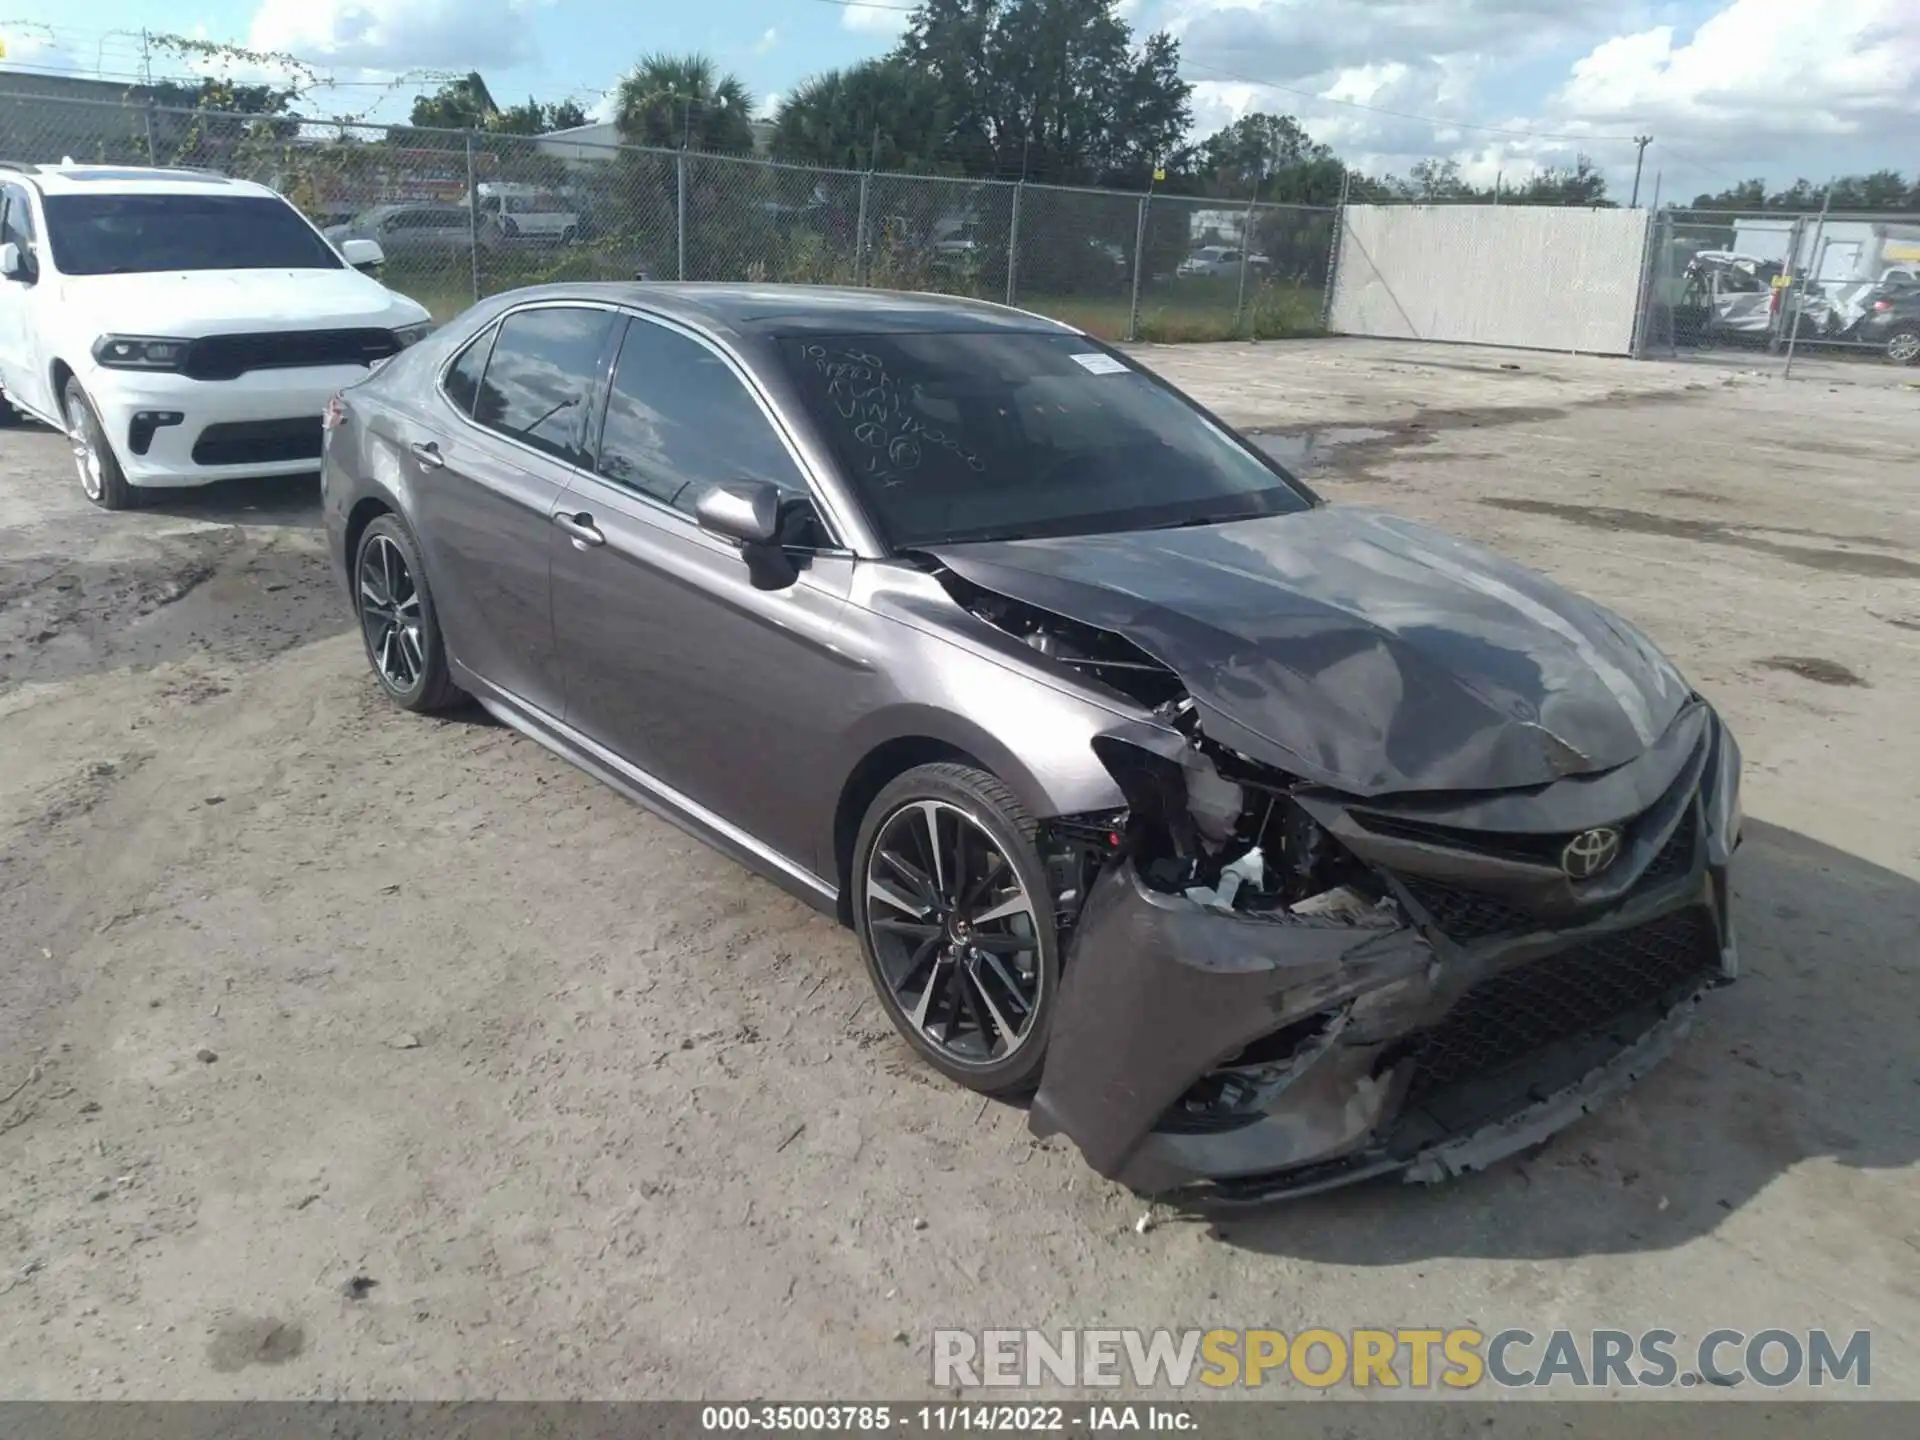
x=262 y=421
x=1248 y=1057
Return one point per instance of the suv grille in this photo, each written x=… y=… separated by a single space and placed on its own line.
x=1558 y=997
x=225 y=357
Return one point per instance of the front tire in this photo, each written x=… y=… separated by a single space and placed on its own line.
x=956 y=924
x=1903 y=346
x=397 y=621
x=101 y=478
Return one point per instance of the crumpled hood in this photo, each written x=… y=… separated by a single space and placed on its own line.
x=192 y=303
x=1360 y=650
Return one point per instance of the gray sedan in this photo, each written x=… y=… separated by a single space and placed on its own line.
x=1269 y=844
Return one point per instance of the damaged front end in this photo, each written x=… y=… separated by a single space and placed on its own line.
x=1273 y=987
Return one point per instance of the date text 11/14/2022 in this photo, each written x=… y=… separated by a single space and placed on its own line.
x=944 y=1419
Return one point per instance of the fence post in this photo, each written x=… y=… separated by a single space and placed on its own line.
x=473 y=221
x=1139 y=259
x=1655 y=247
x=861 y=273
x=147 y=115
x=680 y=214
x=1246 y=244
x=1337 y=233
x=1792 y=292
x=1013 y=243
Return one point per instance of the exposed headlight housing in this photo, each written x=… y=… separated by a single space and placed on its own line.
x=413 y=334
x=140 y=352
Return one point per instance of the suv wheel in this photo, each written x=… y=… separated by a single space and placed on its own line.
x=397 y=621
x=956 y=924
x=1903 y=346
x=101 y=477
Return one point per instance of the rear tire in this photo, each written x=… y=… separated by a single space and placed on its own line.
x=1903 y=346
x=398 y=625
x=956 y=924
x=101 y=479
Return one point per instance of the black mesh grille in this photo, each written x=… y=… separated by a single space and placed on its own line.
x=1561 y=996
x=1676 y=856
x=223 y=357
x=258 y=442
x=1467 y=914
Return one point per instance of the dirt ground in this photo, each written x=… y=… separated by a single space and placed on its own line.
x=345 y=1053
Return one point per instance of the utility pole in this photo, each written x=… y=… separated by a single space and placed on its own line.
x=1639 y=160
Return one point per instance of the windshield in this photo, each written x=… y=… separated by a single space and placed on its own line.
x=992 y=436
x=138 y=234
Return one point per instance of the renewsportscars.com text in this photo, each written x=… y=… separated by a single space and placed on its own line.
x=1416 y=1359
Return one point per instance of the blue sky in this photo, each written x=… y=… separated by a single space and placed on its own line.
x=1728 y=88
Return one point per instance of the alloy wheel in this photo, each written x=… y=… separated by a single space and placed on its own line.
x=87 y=460
x=390 y=614
x=954 y=932
x=1904 y=348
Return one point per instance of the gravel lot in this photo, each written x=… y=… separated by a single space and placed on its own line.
x=296 y=988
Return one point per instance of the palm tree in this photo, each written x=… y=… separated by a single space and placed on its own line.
x=675 y=100
x=880 y=115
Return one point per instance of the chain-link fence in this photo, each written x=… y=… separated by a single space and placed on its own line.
x=1770 y=282
x=460 y=215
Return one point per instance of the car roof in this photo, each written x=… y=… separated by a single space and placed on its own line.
x=781 y=309
x=135 y=180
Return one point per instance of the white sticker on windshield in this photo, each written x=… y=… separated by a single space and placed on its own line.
x=1097 y=364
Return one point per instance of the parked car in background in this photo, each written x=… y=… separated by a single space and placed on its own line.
x=1213 y=260
x=180 y=327
x=511 y=212
x=1890 y=320
x=402 y=230
x=1279 y=844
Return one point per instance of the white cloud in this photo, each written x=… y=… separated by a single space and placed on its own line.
x=400 y=35
x=32 y=51
x=873 y=20
x=1762 y=87
x=769 y=105
x=1844 y=67
x=767 y=40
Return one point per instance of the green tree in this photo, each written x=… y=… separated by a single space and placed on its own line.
x=880 y=115
x=1050 y=89
x=681 y=100
x=1250 y=154
x=463 y=104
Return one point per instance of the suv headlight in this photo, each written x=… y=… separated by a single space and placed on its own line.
x=413 y=334
x=140 y=352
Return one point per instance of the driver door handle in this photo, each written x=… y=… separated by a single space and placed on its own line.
x=581 y=527
x=428 y=454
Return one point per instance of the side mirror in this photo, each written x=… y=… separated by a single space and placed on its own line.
x=744 y=510
x=363 y=254
x=748 y=511
x=14 y=264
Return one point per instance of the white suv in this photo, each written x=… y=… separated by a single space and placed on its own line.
x=181 y=328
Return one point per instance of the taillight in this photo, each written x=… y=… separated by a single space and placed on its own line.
x=335 y=415
x=1882 y=305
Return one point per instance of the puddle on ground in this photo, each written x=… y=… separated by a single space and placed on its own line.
x=1813 y=667
x=1311 y=449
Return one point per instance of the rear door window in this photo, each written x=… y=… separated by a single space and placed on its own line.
x=540 y=375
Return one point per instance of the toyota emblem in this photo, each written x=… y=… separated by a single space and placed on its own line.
x=1590 y=852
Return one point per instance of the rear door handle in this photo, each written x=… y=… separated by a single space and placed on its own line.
x=581 y=527
x=428 y=454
